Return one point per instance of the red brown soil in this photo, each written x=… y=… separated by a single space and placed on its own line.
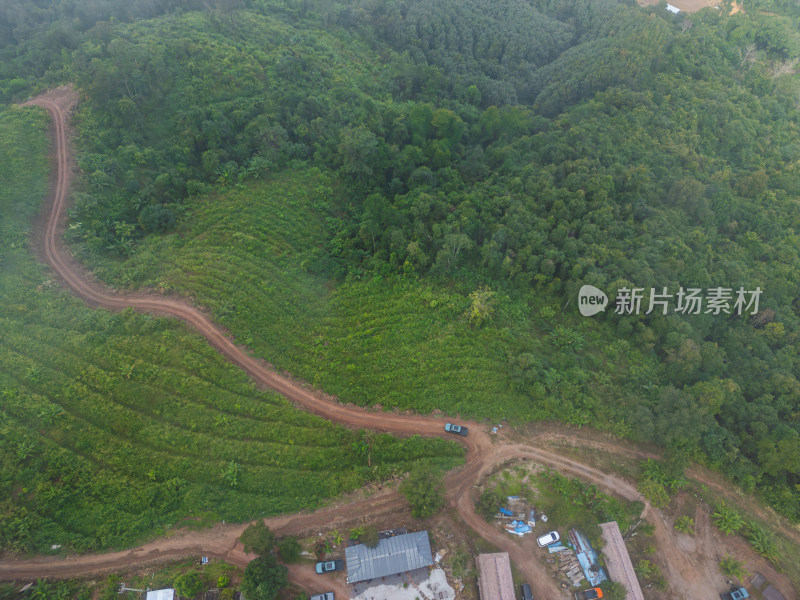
x=691 y=573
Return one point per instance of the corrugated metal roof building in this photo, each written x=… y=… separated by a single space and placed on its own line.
x=618 y=561
x=392 y=555
x=494 y=577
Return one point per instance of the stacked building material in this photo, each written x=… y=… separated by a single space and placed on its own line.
x=570 y=568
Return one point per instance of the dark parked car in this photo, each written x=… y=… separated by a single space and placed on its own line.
x=526 y=592
x=449 y=427
x=330 y=566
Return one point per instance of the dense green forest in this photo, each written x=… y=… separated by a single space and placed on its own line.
x=399 y=201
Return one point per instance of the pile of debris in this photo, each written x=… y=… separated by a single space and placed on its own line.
x=570 y=568
x=517 y=528
x=523 y=520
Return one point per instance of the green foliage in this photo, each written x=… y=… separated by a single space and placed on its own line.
x=110 y=589
x=264 y=578
x=338 y=537
x=654 y=492
x=613 y=590
x=223 y=581
x=646 y=569
x=424 y=490
x=570 y=502
x=289 y=549
x=727 y=519
x=658 y=480
x=668 y=473
x=321 y=548
x=685 y=524
x=459 y=561
x=188 y=585
x=231 y=474
x=370 y=536
x=138 y=410
x=258 y=538
x=528 y=147
x=488 y=503
x=482 y=306
x=763 y=542
x=733 y=568
x=566 y=337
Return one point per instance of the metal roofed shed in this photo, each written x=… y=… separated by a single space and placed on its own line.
x=494 y=577
x=618 y=561
x=392 y=555
x=165 y=594
x=587 y=557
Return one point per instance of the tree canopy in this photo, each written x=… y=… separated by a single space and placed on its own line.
x=264 y=578
x=424 y=490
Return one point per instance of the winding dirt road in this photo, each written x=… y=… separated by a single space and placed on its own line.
x=691 y=575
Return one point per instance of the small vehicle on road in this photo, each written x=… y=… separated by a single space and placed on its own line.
x=590 y=594
x=330 y=566
x=547 y=539
x=325 y=596
x=450 y=428
x=737 y=594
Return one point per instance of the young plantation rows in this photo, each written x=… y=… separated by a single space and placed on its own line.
x=118 y=426
x=254 y=256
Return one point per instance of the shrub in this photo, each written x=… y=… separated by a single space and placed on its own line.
x=370 y=536
x=264 y=578
x=258 y=538
x=289 y=549
x=188 y=585
x=424 y=490
x=727 y=519
x=654 y=492
x=685 y=524
x=733 y=568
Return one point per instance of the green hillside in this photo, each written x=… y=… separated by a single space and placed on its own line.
x=343 y=185
x=116 y=427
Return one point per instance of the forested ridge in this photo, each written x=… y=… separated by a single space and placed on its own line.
x=480 y=155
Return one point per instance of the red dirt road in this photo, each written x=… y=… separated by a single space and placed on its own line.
x=691 y=575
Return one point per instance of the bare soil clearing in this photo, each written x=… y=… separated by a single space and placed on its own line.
x=691 y=575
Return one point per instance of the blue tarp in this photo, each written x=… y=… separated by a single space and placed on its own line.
x=587 y=557
x=556 y=548
x=505 y=511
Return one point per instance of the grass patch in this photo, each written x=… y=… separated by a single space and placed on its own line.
x=567 y=502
